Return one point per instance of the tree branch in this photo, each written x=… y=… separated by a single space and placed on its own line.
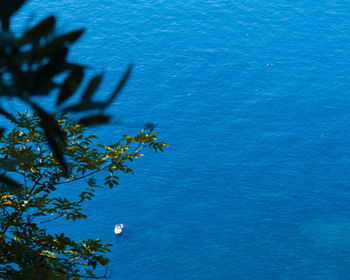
x=137 y=150
x=49 y=220
x=35 y=184
x=82 y=177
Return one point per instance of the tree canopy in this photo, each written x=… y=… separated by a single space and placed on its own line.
x=27 y=250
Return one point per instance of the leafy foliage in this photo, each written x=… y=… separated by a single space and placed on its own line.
x=27 y=250
x=30 y=64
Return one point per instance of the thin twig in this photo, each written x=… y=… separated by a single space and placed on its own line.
x=50 y=220
x=35 y=184
x=137 y=150
x=84 y=176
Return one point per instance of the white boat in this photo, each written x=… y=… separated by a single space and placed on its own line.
x=118 y=229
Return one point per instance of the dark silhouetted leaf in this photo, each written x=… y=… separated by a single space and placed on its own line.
x=10 y=163
x=42 y=29
x=55 y=65
x=70 y=85
x=120 y=85
x=5 y=24
x=9 y=183
x=90 y=90
x=7 y=115
x=12 y=64
x=52 y=133
x=49 y=121
x=95 y=120
x=6 y=40
x=93 y=105
x=70 y=37
x=9 y=7
x=59 y=42
x=150 y=125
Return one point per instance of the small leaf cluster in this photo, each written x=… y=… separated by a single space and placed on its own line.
x=27 y=250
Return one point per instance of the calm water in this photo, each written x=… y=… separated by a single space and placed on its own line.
x=253 y=98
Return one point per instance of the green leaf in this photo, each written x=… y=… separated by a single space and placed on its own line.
x=42 y=29
x=70 y=85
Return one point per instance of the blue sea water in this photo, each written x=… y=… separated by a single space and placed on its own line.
x=253 y=98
